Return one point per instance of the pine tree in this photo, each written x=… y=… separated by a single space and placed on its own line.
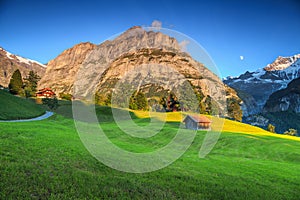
x=16 y=83
x=31 y=83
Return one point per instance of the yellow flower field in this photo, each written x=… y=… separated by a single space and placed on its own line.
x=219 y=124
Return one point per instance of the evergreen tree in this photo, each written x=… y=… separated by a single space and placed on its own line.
x=234 y=109
x=31 y=83
x=16 y=83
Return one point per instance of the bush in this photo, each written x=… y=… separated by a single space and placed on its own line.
x=271 y=128
x=51 y=103
x=291 y=132
x=65 y=96
x=138 y=102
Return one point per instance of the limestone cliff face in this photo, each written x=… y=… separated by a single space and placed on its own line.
x=287 y=99
x=160 y=66
x=10 y=62
x=61 y=71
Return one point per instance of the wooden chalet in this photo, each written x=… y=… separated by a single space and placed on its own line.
x=45 y=93
x=197 y=122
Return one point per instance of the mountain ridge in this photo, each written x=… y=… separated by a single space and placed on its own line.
x=10 y=62
x=261 y=83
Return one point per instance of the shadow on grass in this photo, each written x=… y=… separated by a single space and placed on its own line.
x=103 y=113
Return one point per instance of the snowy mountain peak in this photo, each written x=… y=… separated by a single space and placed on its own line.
x=10 y=62
x=21 y=59
x=282 y=63
x=261 y=83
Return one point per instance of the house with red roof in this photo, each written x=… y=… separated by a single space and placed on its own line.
x=45 y=93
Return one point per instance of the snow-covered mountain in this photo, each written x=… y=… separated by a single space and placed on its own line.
x=10 y=62
x=260 y=84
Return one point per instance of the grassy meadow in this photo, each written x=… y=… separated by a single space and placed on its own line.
x=47 y=160
x=12 y=107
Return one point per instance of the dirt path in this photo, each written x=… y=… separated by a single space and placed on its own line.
x=44 y=116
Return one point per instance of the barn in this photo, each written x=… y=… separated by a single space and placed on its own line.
x=197 y=122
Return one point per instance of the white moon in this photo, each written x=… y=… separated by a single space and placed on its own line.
x=242 y=57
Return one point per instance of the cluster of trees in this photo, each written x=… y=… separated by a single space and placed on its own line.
x=170 y=103
x=138 y=101
x=65 y=96
x=26 y=88
x=103 y=99
x=291 y=131
x=234 y=109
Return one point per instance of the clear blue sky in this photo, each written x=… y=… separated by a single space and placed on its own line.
x=257 y=30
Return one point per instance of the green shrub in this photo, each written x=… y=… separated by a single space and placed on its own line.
x=65 y=96
x=52 y=103
x=271 y=128
x=291 y=132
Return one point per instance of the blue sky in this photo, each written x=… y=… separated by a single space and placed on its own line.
x=259 y=31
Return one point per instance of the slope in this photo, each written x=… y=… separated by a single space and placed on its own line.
x=12 y=107
x=46 y=160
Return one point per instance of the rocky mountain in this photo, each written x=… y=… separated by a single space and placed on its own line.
x=254 y=88
x=287 y=99
x=144 y=59
x=10 y=62
x=283 y=108
x=61 y=72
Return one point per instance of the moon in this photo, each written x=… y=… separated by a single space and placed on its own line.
x=242 y=57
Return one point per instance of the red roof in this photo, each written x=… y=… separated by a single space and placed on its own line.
x=198 y=118
x=45 y=90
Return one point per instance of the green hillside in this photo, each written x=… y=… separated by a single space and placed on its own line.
x=47 y=160
x=12 y=107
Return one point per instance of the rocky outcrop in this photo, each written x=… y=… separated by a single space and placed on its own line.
x=10 y=62
x=61 y=71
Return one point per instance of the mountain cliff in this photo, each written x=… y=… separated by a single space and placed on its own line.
x=287 y=99
x=283 y=108
x=61 y=71
x=259 y=85
x=10 y=62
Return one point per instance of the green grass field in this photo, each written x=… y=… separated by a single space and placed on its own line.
x=47 y=160
x=12 y=107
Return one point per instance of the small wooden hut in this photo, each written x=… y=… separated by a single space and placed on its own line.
x=197 y=122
